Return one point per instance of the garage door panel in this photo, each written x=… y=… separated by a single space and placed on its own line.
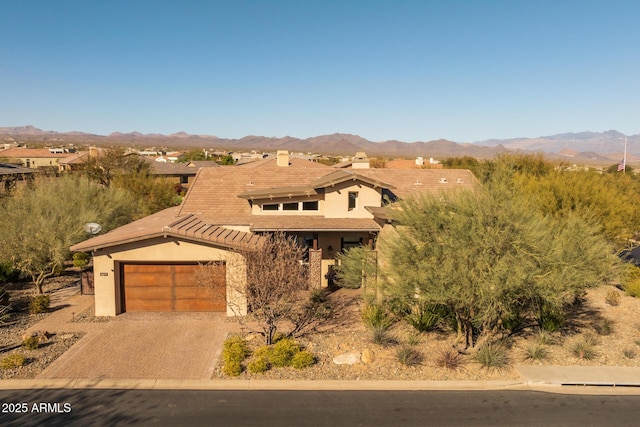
x=171 y=287
x=149 y=304
x=198 y=305
x=149 y=292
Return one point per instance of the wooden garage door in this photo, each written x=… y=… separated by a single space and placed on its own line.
x=170 y=287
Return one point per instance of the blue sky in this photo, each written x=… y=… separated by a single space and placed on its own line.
x=407 y=70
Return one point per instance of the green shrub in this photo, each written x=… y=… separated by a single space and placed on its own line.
x=4 y=313
x=492 y=355
x=536 y=352
x=414 y=338
x=39 y=304
x=31 y=343
x=551 y=318
x=80 y=259
x=603 y=326
x=12 y=361
x=318 y=296
x=303 y=359
x=424 y=317
x=234 y=351
x=630 y=279
x=408 y=355
x=375 y=316
x=449 y=359
x=282 y=352
x=584 y=349
x=544 y=338
x=7 y=272
x=259 y=365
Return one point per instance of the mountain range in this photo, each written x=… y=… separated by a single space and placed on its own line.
x=583 y=147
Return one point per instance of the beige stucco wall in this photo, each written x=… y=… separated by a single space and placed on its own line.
x=336 y=200
x=106 y=273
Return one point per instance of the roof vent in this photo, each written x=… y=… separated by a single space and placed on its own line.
x=443 y=180
x=417 y=182
x=459 y=181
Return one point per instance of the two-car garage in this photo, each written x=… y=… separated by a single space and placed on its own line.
x=172 y=287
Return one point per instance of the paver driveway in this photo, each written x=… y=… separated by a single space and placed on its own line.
x=145 y=346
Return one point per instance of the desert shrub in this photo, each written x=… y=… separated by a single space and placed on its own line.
x=629 y=353
x=282 y=352
x=4 y=296
x=398 y=306
x=318 y=296
x=31 y=343
x=630 y=279
x=424 y=317
x=603 y=326
x=375 y=316
x=612 y=297
x=234 y=351
x=584 y=348
x=302 y=359
x=382 y=337
x=7 y=272
x=513 y=322
x=12 y=361
x=408 y=355
x=544 y=338
x=492 y=355
x=39 y=304
x=414 y=338
x=80 y=259
x=450 y=359
x=259 y=365
x=536 y=352
x=550 y=318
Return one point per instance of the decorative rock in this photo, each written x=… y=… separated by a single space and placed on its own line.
x=368 y=357
x=347 y=359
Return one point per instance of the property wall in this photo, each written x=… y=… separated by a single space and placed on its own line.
x=107 y=280
x=336 y=200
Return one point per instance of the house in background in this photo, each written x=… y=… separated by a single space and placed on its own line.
x=149 y=265
x=179 y=173
x=37 y=157
x=11 y=175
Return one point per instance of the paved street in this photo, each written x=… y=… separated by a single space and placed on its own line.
x=320 y=408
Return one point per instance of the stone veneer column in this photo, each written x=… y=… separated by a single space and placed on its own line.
x=315 y=268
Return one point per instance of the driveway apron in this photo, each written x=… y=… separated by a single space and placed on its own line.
x=146 y=346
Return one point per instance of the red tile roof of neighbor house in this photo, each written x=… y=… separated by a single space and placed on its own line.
x=167 y=224
x=20 y=153
x=220 y=196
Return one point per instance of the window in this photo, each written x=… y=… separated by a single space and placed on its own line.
x=310 y=206
x=184 y=179
x=270 y=207
x=290 y=206
x=350 y=242
x=353 y=199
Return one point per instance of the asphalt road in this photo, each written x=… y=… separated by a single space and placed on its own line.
x=313 y=408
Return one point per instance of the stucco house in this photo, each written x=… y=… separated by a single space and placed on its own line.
x=148 y=265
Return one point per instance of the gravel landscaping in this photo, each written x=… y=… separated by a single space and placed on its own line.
x=619 y=348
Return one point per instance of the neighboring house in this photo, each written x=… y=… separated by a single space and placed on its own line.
x=37 y=157
x=147 y=265
x=180 y=173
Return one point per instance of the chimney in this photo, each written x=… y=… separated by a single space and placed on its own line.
x=282 y=157
x=360 y=161
x=419 y=161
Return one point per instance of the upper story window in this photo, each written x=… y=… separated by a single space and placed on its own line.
x=353 y=200
x=270 y=207
x=310 y=206
x=290 y=206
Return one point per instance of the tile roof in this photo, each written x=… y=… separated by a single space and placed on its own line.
x=32 y=152
x=166 y=224
x=11 y=169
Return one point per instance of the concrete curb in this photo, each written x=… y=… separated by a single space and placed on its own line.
x=306 y=385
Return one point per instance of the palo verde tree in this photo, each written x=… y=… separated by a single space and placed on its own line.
x=40 y=223
x=487 y=258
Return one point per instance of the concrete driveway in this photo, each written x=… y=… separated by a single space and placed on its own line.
x=140 y=346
